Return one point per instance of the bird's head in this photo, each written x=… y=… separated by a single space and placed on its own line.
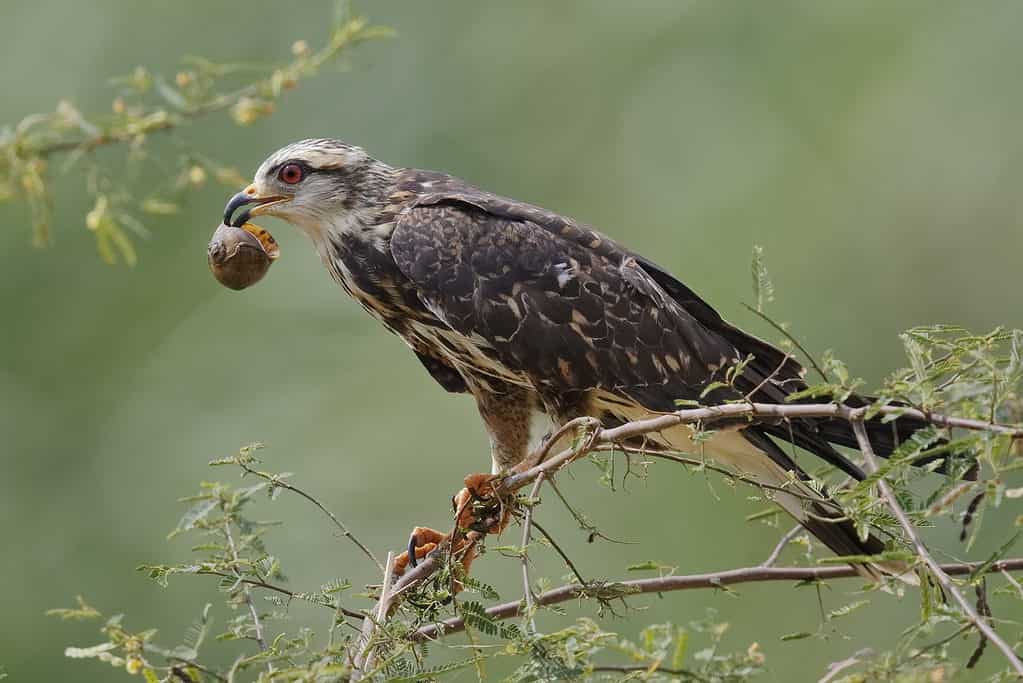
x=315 y=185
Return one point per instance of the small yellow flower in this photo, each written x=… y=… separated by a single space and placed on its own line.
x=183 y=79
x=248 y=110
x=94 y=219
x=754 y=653
x=197 y=175
x=230 y=177
x=133 y=665
x=118 y=105
x=300 y=48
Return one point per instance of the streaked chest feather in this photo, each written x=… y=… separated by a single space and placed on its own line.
x=364 y=268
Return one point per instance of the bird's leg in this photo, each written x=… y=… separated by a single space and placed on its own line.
x=506 y=411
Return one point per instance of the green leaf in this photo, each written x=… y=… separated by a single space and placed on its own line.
x=194 y=515
x=159 y=207
x=678 y=657
x=763 y=289
x=847 y=609
x=88 y=652
x=82 y=612
x=983 y=568
x=796 y=636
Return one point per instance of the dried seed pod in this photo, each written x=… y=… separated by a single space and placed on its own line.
x=240 y=257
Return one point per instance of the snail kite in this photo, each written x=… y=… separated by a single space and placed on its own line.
x=542 y=320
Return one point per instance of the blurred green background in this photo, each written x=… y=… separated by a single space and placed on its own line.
x=872 y=148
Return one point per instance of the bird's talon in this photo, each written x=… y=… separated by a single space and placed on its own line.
x=412 y=543
x=422 y=541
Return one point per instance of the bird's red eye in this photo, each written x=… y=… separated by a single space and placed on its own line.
x=291 y=174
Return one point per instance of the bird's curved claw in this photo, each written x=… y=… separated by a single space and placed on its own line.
x=422 y=541
x=478 y=509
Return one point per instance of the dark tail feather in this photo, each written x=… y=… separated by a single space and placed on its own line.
x=841 y=538
x=823 y=517
x=885 y=437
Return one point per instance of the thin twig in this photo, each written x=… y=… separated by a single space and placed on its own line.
x=715 y=580
x=584 y=524
x=527 y=526
x=634 y=668
x=734 y=475
x=1012 y=581
x=780 y=546
x=257 y=625
x=274 y=481
x=365 y=656
x=788 y=335
x=294 y=595
x=541 y=454
x=557 y=548
x=886 y=493
x=835 y=668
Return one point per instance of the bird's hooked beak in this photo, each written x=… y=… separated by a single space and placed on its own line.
x=246 y=197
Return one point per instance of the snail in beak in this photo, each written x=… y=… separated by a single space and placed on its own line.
x=240 y=256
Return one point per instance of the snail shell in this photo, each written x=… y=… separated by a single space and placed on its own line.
x=240 y=257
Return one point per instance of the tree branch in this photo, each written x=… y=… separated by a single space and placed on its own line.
x=549 y=466
x=665 y=584
x=365 y=656
x=885 y=491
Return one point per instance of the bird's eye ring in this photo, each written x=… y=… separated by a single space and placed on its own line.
x=291 y=174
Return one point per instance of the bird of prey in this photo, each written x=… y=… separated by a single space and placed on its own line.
x=543 y=319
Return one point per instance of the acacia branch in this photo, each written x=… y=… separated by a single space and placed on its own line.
x=706 y=416
x=343 y=36
x=885 y=491
x=665 y=584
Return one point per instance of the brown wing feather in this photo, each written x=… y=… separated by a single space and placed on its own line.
x=569 y=316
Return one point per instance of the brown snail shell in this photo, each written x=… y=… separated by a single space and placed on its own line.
x=239 y=257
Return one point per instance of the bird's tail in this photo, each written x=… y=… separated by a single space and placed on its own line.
x=755 y=455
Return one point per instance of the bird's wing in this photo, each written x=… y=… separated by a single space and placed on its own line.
x=492 y=262
x=552 y=305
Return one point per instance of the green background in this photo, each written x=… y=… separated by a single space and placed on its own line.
x=872 y=148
